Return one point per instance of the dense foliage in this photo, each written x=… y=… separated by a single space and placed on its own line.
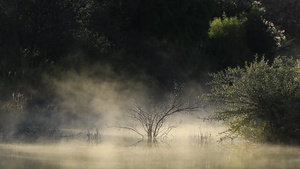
x=261 y=100
x=234 y=40
x=158 y=38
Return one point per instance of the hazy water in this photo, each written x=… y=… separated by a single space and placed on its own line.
x=174 y=155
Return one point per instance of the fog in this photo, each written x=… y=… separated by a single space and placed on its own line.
x=84 y=99
x=118 y=84
x=89 y=105
x=91 y=100
x=169 y=155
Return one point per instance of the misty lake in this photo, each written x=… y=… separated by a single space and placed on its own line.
x=176 y=154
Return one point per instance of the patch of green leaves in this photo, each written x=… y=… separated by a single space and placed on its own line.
x=261 y=100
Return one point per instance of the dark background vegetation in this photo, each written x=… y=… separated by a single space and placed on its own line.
x=152 y=42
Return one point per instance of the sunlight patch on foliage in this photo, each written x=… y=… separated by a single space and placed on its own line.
x=261 y=100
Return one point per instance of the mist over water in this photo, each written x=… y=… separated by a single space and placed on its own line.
x=86 y=100
x=193 y=144
x=174 y=154
x=89 y=103
x=86 y=84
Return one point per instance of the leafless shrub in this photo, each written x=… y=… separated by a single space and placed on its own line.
x=93 y=134
x=150 y=119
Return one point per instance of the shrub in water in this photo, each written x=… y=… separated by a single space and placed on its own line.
x=261 y=100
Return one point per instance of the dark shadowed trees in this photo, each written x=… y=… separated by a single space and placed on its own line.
x=37 y=34
x=157 y=38
x=234 y=40
x=286 y=14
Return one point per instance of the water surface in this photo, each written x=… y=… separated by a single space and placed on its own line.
x=173 y=155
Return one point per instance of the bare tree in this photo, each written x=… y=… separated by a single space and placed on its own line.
x=151 y=118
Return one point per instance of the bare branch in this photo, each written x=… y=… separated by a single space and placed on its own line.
x=154 y=115
x=131 y=128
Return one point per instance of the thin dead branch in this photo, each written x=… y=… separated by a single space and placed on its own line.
x=151 y=117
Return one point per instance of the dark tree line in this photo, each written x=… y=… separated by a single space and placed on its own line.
x=164 y=40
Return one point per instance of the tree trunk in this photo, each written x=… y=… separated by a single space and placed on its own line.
x=150 y=136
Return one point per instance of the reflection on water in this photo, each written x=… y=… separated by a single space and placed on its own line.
x=172 y=155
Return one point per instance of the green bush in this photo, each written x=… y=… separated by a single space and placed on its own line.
x=222 y=27
x=261 y=100
x=235 y=39
x=227 y=41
